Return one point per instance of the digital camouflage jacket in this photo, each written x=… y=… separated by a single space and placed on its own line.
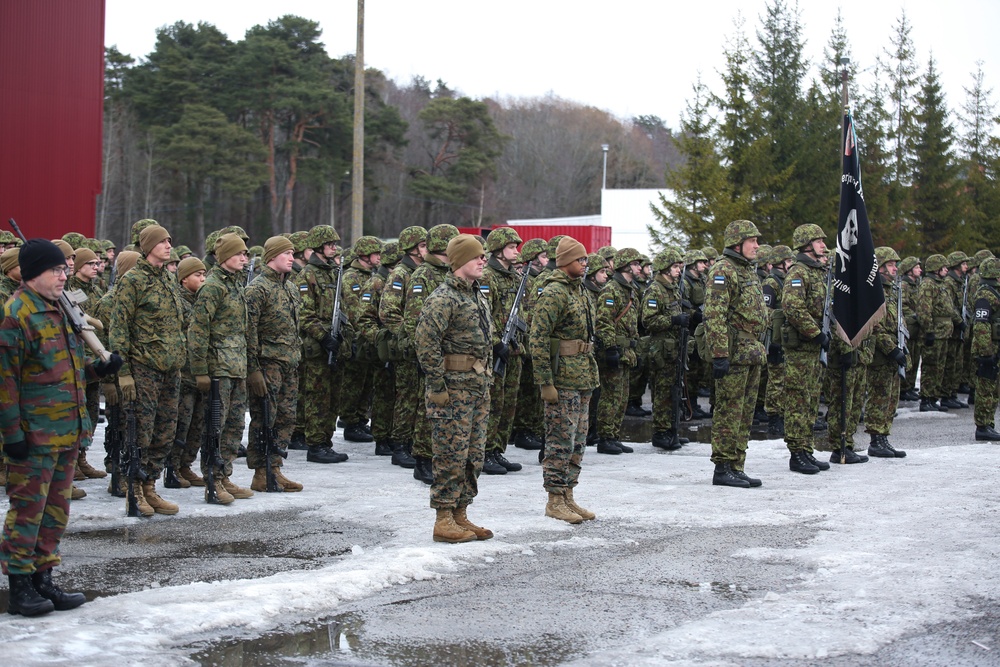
x=217 y=337
x=563 y=311
x=272 y=320
x=146 y=320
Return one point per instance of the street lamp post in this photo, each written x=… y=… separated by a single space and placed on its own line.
x=604 y=181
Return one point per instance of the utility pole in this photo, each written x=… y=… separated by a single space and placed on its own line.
x=358 y=177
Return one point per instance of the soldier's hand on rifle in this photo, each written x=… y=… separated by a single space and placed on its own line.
x=204 y=383
x=439 y=398
x=256 y=384
x=775 y=355
x=614 y=357
x=127 y=384
x=960 y=327
x=697 y=317
x=720 y=367
x=331 y=343
x=823 y=339
x=549 y=393
x=898 y=356
x=929 y=338
x=501 y=351
x=109 y=367
x=680 y=319
x=110 y=391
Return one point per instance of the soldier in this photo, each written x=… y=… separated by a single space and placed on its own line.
x=617 y=336
x=735 y=319
x=803 y=302
x=300 y=245
x=969 y=375
x=561 y=342
x=11 y=270
x=43 y=426
x=412 y=246
x=321 y=384
x=594 y=280
x=664 y=318
x=183 y=252
x=357 y=397
x=955 y=282
x=889 y=357
x=452 y=342
x=217 y=349
x=986 y=348
x=499 y=284
x=693 y=303
x=422 y=283
x=909 y=271
x=145 y=328
x=639 y=377
x=529 y=421
x=274 y=351
x=781 y=260
x=936 y=316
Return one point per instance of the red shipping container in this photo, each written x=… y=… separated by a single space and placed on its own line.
x=591 y=236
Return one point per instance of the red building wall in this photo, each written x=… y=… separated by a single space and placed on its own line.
x=591 y=236
x=51 y=107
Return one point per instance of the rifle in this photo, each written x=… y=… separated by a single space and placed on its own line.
x=338 y=319
x=131 y=463
x=113 y=437
x=827 y=314
x=210 y=453
x=902 y=334
x=268 y=445
x=70 y=302
x=965 y=308
x=678 y=390
x=114 y=274
x=514 y=324
x=253 y=261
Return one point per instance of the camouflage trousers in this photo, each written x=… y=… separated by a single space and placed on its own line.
x=282 y=381
x=357 y=391
x=190 y=427
x=528 y=414
x=503 y=404
x=968 y=365
x=232 y=417
x=761 y=388
x=638 y=381
x=851 y=399
x=408 y=400
x=383 y=399
x=774 y=396
x=662 y=381
x=157 y=395
x=614 y=400
x=423 y=429
x=954 y=367
x=986 y=401
x=735 y=397
x=565 y=439
x=932 y=371
x=883 y=397
x=803 y=372
x=321 y=387
x=39 y=488
x=459 y=437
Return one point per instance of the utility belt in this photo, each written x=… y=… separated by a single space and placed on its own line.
x=464 y=363
x=571 y=348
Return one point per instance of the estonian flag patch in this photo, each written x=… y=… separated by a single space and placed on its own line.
x=366 y=297
x=796 y=282
x=609 y=302
x=719 y=280
x=355 y=288
x=651 y=303
x=485 y=289
x=396 y=285
x=540 y=290
x=303 y=288
x=417 y=289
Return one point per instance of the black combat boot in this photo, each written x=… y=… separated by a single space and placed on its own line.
x=24 y=599
x=952 y=403
x=171 y=481
x=698 y=413
x=799 y=462
x=965 y=388
x=972 y=397
x=667 y=440
x=752 y=481
x=759 y=416
x=62 y=600
x=241 y=452
x=498 y=457
x=987 y=433
x=898 y=453
x=298 y=442
x=490 y=465
x=607 y=446
x=776 y=426
x=634 y=409
x=383 y=448
x=931 y=405
x=622 y=446
x=820 y=424
x=526 y=440
x=324 y=454
x=423 y=470
x=357 y=433
x=726 y=476
x=850 y=456
x=876 y=449
x=401 y=455
x=592 y=439
x=822 y=465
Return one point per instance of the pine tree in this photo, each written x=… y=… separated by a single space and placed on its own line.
x=901 y=65
x=979 y=192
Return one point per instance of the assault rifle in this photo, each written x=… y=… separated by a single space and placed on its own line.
x=131 y=463
x=338 y=319
x=210 y=442
x=70 y=302
x=514 y=325
x=679 y=388
x=253 y=262
x=268 y=446
x=965 y=308
x=113 y=437
x=902 y=334
x=827 y=314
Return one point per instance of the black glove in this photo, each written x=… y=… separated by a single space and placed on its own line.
x=109 y=367
x=987 y=368
x=929 y=338
x=331 y=343
x=680 y=319
x=898 y=356
x=614 y=358
x=16 y=450
x=823 y=339
x=720 y=367
x=633 y=344
x=697 y=317
x=775 y=354
x=501 y=351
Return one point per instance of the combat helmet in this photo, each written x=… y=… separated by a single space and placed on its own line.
x=74 y=239
x=410 y=238
x=108 y=244
x=989 y=269
x=935 y=263
x=692 y=256
x=531 y=249
x=140 y=225
x=92 y=244
x=438 y=237
x=626 y=256
x=500 y=237
x=806 y=234
x=321 y=234
x=607 y=252
x=553 y=244
x=255 y=251
x=6 y=237
x=390 y=254
x=711 y=253
x=183 y=251
x=885 y=254
x=210 y=242
x=764 y=253
x=780 y=253
x=300 y=241
x=956 y=258
x=978 y=258
x=594 y=264
x=236 y=229
x=739 y=231
x=907 y=264
x=666 y=258
x=366 y=245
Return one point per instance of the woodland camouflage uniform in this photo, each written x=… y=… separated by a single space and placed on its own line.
x=358 y=370
x=191 y=403
x=986 y=348
x=529 y=418
x=660 y=304
x=383 y=388
x=955 y=283
x=616 y=332
x=935 y=313
x=916 y=341
x=774 y=396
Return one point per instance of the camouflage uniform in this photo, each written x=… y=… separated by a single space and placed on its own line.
x=454 y=326
x=935 y=314
x=847 y=373
x=217 y=347
x=883 y=372
x=191 y=404
x=563 y=312
x=499 y=285
x=954 y=371
x=916 y=342
x=660 y=303
x=369 y=330
x=617 y=328
x=774 y=396
x=358 y=370
x=391 y=314
x=93 y=292
x=7 y=287
x=275 y=349
x=529 y=418
x=985 y=348
x=36 y=342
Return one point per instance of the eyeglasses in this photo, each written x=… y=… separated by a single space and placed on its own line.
x=56 y=270
x=94 y=263
x=582 y=260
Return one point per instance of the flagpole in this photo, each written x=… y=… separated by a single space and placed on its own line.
x=844 y=76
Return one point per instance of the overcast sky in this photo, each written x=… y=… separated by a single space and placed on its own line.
x=630 y=57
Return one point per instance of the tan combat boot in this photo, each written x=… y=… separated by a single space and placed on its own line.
x=586 y=515
x=462 y=521
x=446 y=530
x=153 y=499
x=259 y=482
x=89 y=471
x=286 y=484
x=237 y=492
x=78 y=475
x=140 y=499
x=225 y=498
x=557 y=509
x=76 y=493
x=191 y=476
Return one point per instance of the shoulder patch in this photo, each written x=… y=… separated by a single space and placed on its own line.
x=651 y=303
x=366 y=297
x=540 y=289
x=355 y=287
x=485 y=289
x=417 y=289
x=397 y=285
x=983 y=310
x=609 y=302
x=719 y=280
x=303 y=288
x=795 y=282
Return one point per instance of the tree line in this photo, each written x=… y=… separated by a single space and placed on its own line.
x=206 y=132
x=766 y=146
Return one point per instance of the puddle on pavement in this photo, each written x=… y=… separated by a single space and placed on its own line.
x=732 y=592
x=341 y=641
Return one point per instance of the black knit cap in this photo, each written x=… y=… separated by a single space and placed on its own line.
x=38 y=255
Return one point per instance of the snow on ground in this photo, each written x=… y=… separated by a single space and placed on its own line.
x=900 y=544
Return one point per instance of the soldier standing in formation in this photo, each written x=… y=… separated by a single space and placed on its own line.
x=910 y=271
x=367 y=253
x=735 y=319
x=955 y=282
x=986 y=348
x=774 y=397
x=529 y=422
x=594 y=281
x=453 y=347
x=935 y=313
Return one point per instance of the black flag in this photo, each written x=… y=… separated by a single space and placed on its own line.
x=858 y=302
